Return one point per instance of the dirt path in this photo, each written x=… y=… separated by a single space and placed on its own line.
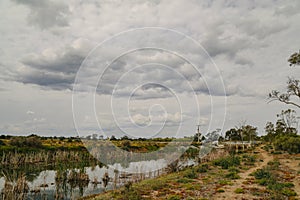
x=229 y=189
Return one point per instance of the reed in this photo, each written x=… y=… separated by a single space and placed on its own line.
x=15 y=190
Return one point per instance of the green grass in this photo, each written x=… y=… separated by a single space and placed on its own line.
x=227 y=162
x=269 y=177
x=239 y=190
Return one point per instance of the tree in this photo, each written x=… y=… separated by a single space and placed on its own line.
x=294 y=59
x=113 y=138
x=241 y=133
x=270 y=130
x=292 y=95
x=288 y=117
x=285 y=125
x=233 y=135
x=248 y=132
x=212 y=136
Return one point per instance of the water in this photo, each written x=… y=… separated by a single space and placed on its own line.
x=43 y=185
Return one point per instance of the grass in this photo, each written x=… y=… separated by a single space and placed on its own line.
x=202 y=168
x=199 y=182
x=232 y=175
x=239 y=190
x=225 y=182
x=270 y=177
x=190 y=173
x=228 y=161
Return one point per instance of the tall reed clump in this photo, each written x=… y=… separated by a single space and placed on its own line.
x=15 y=190
x=78 y=178
x=15 y=158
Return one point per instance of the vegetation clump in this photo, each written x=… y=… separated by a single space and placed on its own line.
x=239 y=190
x=203 y=168
x=227 y=162
x=191 y=174
x=269 y=178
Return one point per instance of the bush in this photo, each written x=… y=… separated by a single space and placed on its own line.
x=32 y=141
x=239 y=190
x=191 y=174
x=274 y=164
x=174 y=166
x=234 y=169
x=227 y=162
x=184 y=180
x=126 y=145
x=232 y=175
x=262 y=173
x=266 y=178
x=2 y=143
x=203 y=168
x=289 y=143
x=289 y=192
x=249 y=159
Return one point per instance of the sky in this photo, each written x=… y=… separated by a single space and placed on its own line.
x=143 y=68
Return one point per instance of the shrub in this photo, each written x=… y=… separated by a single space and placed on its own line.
x=130 y=193
x=274 y=164
x=262 y=173
x=239 y=190
x=227 y=162
x=263 y=181
x=184 y=180
x=32 y=141
x=225 y=182
x=190 y=174
x=2 y=143
x=174 y=166
x=232 y=175
x=289 y=192
x=126 y=145
x=234 y=169
x=249 y=159
x=203 y=168
x=220 y=190
x=289 y=143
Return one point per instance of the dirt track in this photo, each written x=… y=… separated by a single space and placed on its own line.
x=229 y=189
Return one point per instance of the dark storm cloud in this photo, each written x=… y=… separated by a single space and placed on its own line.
x=67 y=63
x=55 y=70
x=47 y=80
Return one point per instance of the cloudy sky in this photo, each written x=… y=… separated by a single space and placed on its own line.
x=210 y=62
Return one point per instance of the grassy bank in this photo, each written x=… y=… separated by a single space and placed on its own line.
x=223 y=178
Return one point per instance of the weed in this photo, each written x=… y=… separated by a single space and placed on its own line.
x=289 y=192
x=203 y=168
x=239 y=190
x=233 y=169
x=227 y=162
x=249 y=158
x=184 y=180
x=225 y=182
x=220 y=190
x=274 y=164
x=262 y=173
x=190 y=174
x=174 y=197
x=232 y=175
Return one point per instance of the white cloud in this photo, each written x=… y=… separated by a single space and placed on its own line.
x=44 y=43
x=29 y=112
